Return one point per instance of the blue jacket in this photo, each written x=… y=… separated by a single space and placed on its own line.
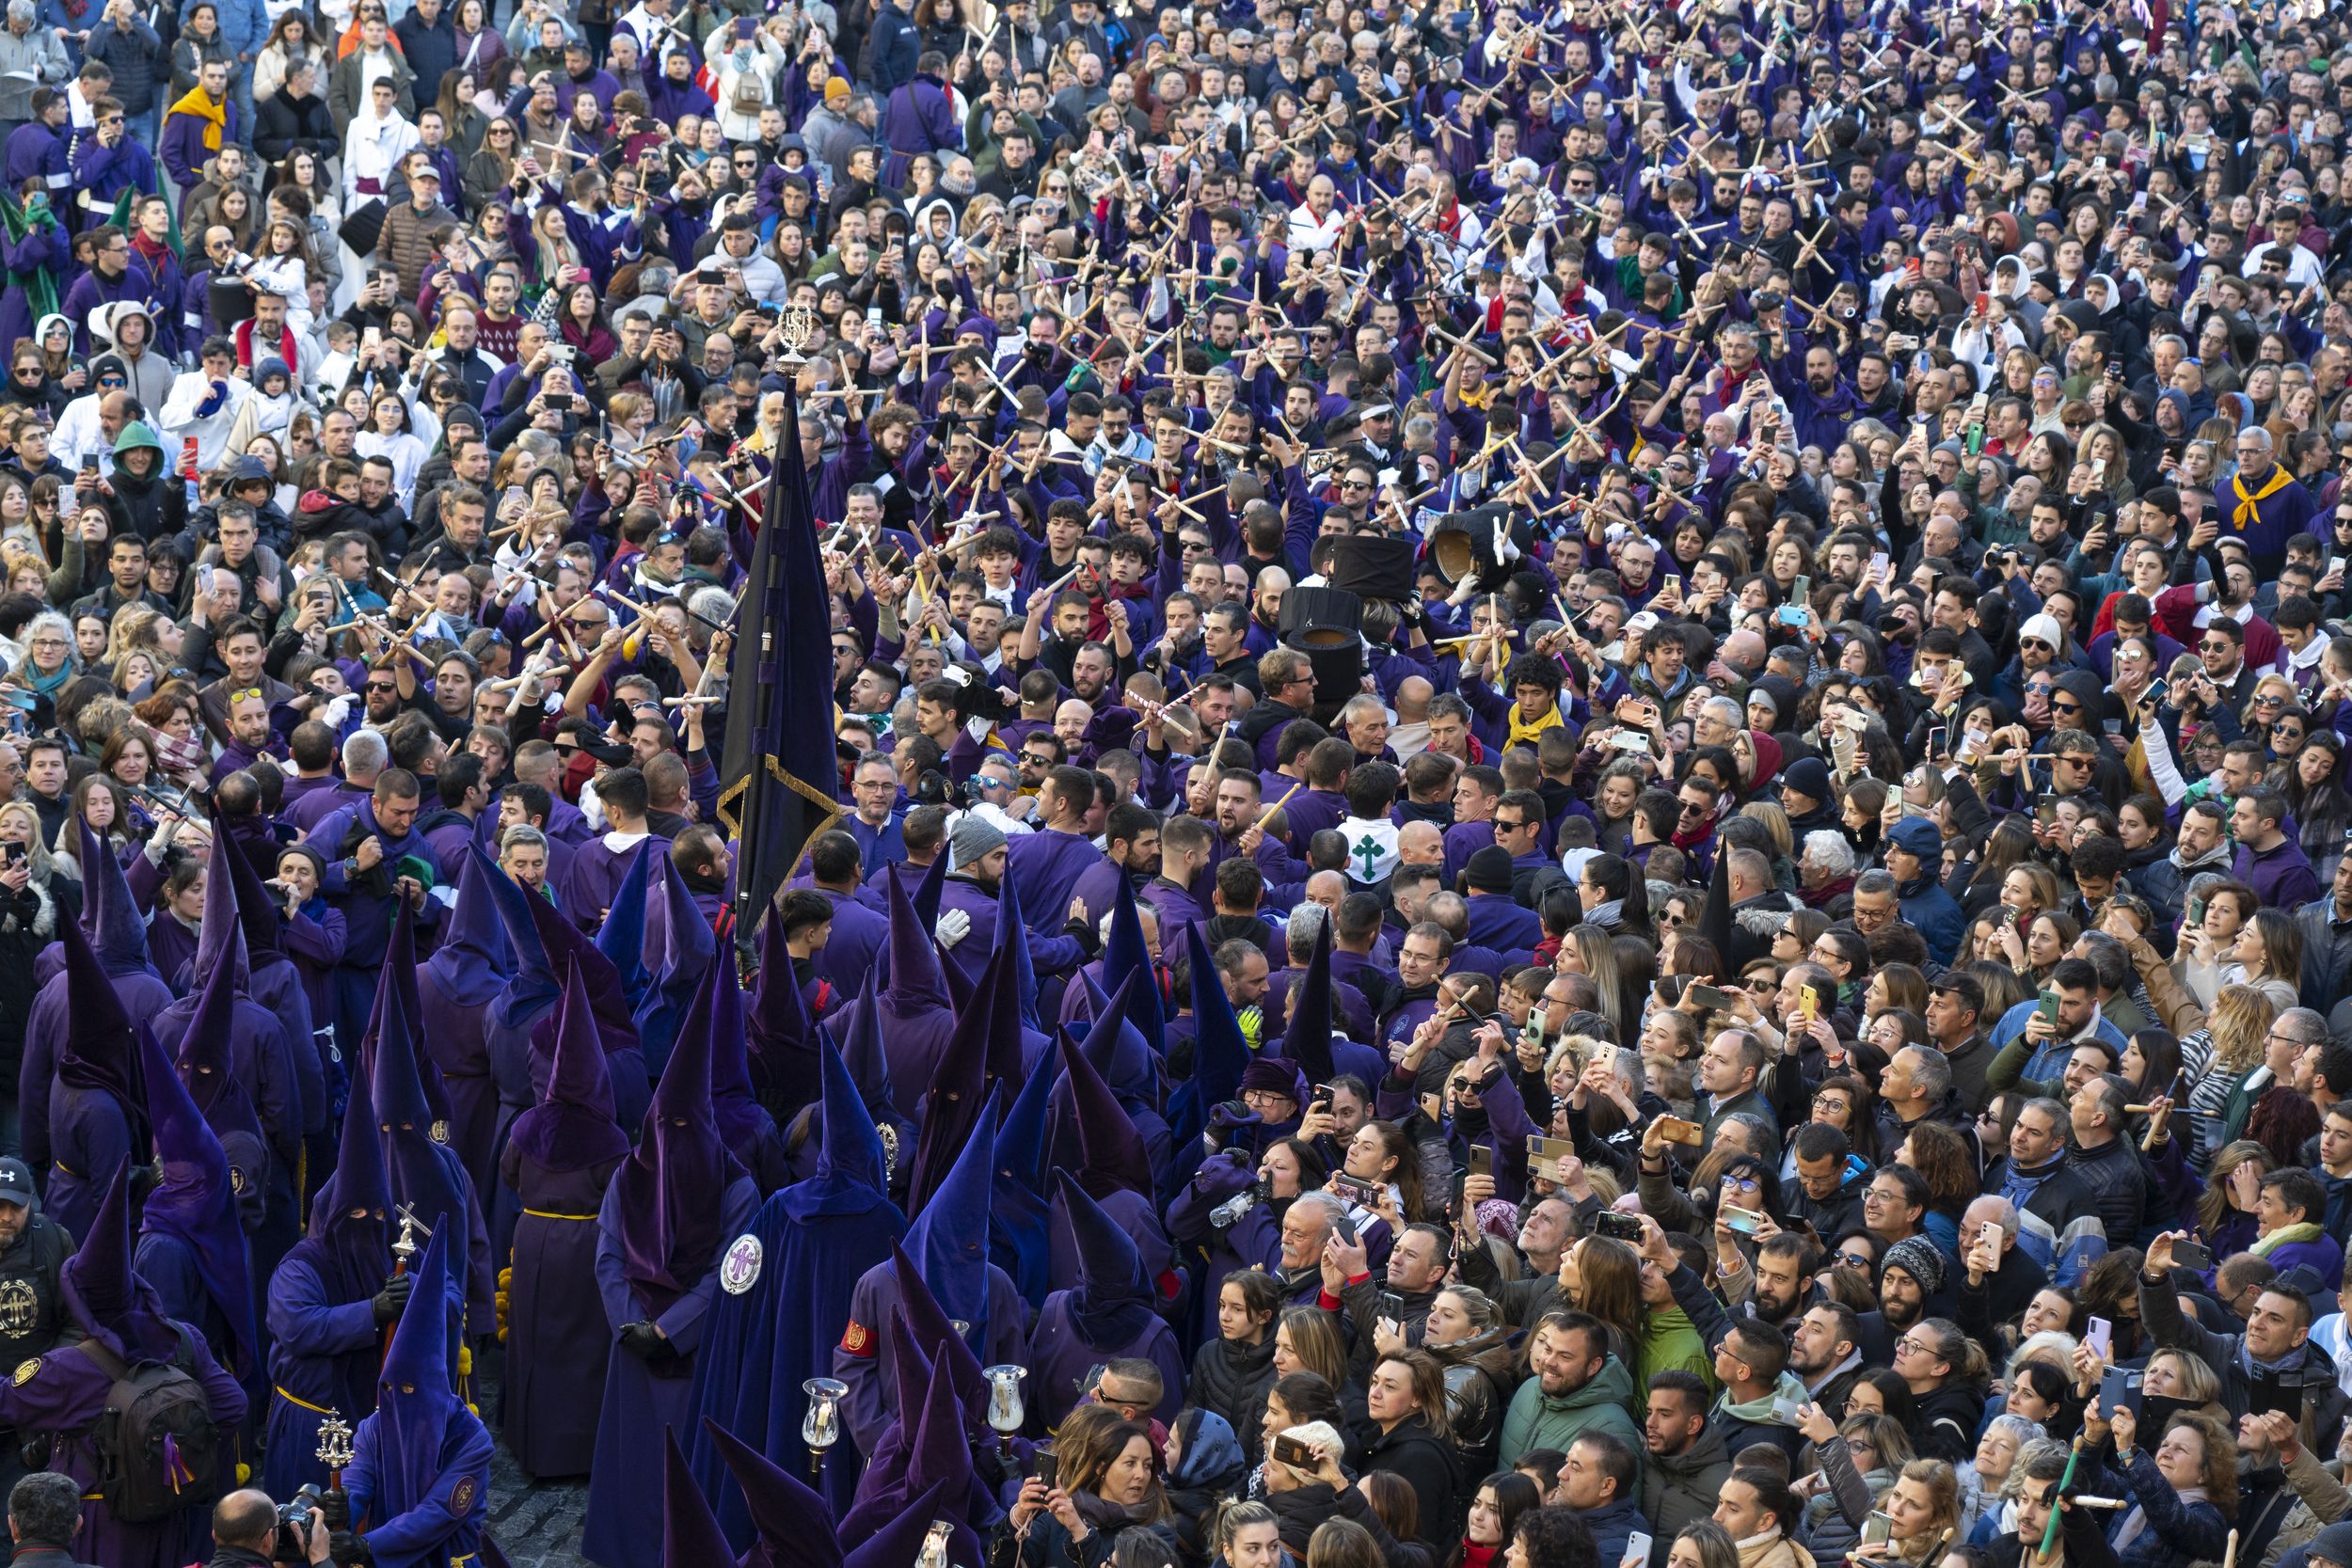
x=1936 y=912
x=896 y=48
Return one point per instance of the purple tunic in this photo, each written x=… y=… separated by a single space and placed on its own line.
x=1049 y=863
x=558 y=1340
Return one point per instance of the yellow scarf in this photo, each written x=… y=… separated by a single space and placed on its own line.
x=1523 y=731
x=216 y=116
x=2247 y=515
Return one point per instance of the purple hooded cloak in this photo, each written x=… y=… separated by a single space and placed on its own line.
x=191 y=1247
x=454 y=988
x=1107 y=1314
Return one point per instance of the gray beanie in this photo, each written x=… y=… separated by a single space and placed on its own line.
x=974 y=837
x=1916 y=1256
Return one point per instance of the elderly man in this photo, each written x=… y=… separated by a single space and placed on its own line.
x=1825 y=870
x=2263 y=503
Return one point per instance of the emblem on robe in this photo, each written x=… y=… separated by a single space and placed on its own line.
x=461 y=1496
x=738 y=1271
x=28 y=1370
x=20 y=1308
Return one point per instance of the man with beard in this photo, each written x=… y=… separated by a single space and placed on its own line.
x=1688 y=1462
x=1782 y=1281
x=2201 y=844
x=1544 y=1238
x=1912 y=1274
x=2058 y=1222
x=1131 y=843
x=1306 y=1226
x=1825 y=1353
x=974 y=883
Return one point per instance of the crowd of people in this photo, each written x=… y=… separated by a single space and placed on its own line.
x=1586 y=803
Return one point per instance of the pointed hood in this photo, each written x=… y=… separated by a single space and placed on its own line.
x=1308 y=1041
x=103 y=1294
x=220 y=940
x=257 y=911
x=852 y=1171
x=1120 y=1053
x=1220 y=1051
x=743 y=1122
x=1111 y=1301
x=671 y=1193
x=1013 y=1037
x=563 y=943
x=1715 y=915
x=111 y=919
x=781 y=1034
x=910 y=1370
x=353 y=1255
x=98 y=1051
x=794 y=1525
x=900 y=1543
x=474 y=961
x=915 y=983
x=933 y=1329
x=689 y=1533
x=1020 y=1238
x=959 y=1087
x=207 y=1063
x=678 y=947
x=533 y=983
x=572 y=1128
x=414 y=1400
x=869 y=1063
x=622 y=937
x=1012 y=931
x=1127 y=951
x=1111 y=1152
x=397 y=1076
x=949 y=1238
x=195 y=1200
x=928 y=892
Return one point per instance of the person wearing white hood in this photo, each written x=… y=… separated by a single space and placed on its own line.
x=378 y=138
x=128 y=329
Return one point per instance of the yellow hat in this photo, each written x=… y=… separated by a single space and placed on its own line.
x=835 y=90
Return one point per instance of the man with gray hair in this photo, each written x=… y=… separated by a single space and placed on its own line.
x=1825 y=868
x=2264 y=505
x=1307 y=1224
x=1717 y=721
x=1998 y=1279
x=45 y=1518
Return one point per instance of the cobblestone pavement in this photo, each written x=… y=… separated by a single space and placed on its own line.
x=535 y=1523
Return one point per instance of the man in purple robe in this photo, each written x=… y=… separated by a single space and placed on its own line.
x=948 y=1245
x=847 y=959
x=1107 y=1315
x=332 y=1296
x=559 y=1160
x=669 y=1211
x=594 y=881
x=117 y=947
x=191 y=1248
x=789 y=1281
x=418 y=1482
x=58 y=1398
x=454 y=987
x=365 y=845
x=1051 y=860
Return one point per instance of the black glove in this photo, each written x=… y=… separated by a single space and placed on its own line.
x=642 y=1342
x=392 y=1297
x=335 y=1508
x=349 y=1546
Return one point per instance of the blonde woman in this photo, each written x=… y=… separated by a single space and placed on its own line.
x=31 y=869
x=2221 y=1056
x=1924 y=1505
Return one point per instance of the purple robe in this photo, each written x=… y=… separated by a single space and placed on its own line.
x=1060 y=1355
x=90 y=1134
x=595 y=878
x=872 y=1404
x=322 y=1356
x=1049 y=863
x=558 y=1341
x=855 y=944
x=623 y=1527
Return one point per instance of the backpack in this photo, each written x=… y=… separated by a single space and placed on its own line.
x=158 y=1449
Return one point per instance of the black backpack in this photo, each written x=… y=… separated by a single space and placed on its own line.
x=149 y=1404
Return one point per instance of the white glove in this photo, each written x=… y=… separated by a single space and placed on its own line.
x=334 y=712
x=978 y=729
x=954 y=926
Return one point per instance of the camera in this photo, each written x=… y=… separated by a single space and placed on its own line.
x=297 y=1518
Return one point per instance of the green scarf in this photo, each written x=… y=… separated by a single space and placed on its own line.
x=1777 y=1408
x=2287 y=1234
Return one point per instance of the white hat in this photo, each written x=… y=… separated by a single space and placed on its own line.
x=2043 y=629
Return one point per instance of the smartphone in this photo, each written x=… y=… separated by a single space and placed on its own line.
x=1936 y=737
x=1877 y=1528
x=1790 y=615
x=2156 y=691
x=1985 y=303
x=1674 y=1130
x=1392 y=1308
x=1622 y=1227
x=1361 y=1190
x=2102 y=1338
x=2192 y=1254
x=560 y=402
x=1801 y=590
x=90 y=463
x=1877 y=561
x=1048 y=1467
x=1714 y=998
x=1637 y=1550
x=1990 y=1234
x=1744 y=1221
x=1321 y=1097
x=1294 y=1451
x=2048 y=1009
x=1482 y=1160
x=2118 y=1389
x=1809 y=1007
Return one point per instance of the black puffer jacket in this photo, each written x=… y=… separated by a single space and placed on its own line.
x=1230 y=1379
x=1477 y=1387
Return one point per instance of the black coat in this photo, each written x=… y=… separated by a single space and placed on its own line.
x=282 y=122
x=1230 y=1379
x=1426 y=1464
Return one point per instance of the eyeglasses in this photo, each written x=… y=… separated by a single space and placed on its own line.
x=2269 y=699
x=2056 y=706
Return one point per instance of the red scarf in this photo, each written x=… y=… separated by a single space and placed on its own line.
x=243 y=335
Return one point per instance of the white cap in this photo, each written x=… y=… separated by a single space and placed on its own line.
x=2043 y=629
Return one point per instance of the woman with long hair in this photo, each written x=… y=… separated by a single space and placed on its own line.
x=2222 y=1053
x=1407 y=1405
x=1109 y=1480
x=1924 y=1506
x=1494 y=1514
x=2266 y=955
x=1859 y=1458
x=1704 y=1543
x=1306 y=1339
x=1602 y=1278
x=1466 y=1335
x=1382 y=1154
x=1232 y=1373
x=1943 y=1159
x=1945 y=1371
